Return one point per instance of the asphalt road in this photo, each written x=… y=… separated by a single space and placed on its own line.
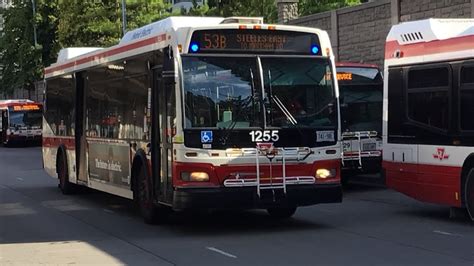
x=373 y=226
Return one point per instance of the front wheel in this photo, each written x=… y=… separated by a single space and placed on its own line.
x=65 y=186
x=148 y=210
x=281 y=213
x=469 y=193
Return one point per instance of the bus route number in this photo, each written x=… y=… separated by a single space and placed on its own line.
x=214 y=41
x=264 y=135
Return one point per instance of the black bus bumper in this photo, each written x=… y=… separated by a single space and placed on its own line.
x=247 y=198
x=370 y=165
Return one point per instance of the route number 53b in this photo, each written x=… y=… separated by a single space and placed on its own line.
x=264 y=135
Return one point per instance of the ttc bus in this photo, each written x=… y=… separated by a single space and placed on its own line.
x=20 y=121
x=361 y=95
x=428 y=134
x=199 y=113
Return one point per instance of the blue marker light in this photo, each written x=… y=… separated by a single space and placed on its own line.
x=314 y=49
x=194 y=47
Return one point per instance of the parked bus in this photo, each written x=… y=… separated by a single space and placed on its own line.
x=428 y=135
x=20 y=122
x=199 y=113
x=361 y=95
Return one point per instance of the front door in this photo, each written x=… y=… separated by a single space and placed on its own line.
x=80 y=138
x=163 y=130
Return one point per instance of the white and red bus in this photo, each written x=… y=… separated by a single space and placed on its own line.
x=199 y=113
x=361 y=95
x=428 y=134
x=20 y=122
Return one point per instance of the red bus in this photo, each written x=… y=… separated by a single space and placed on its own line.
x=20 y=122
x=199 y=113
x=428 y=139
x=360 y=96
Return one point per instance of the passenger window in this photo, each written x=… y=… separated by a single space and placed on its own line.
x=428 y=78
x=467 y=98
x=467 y=75
x=428 y=97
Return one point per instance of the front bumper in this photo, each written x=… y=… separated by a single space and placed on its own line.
x=14 y=139
x=369 y=165
x=247 y=198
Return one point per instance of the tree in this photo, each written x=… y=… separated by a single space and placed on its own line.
x=228 y=8
x=98 y=23
x=308 y=7
x=140 y=13
x=89 y=23
x=20 y=57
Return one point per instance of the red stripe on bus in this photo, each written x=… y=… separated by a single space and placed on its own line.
x=217 y=174
x=108 y=53
x=54 y=142
x=428 y=183
x=427 y=48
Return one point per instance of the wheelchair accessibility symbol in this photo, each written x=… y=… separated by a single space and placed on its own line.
x=206 y=136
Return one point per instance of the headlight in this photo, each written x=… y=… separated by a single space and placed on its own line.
x=325 y=173
x=195 y=176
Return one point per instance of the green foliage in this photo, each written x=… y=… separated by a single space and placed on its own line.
x=23 y=61
x=99 y=23
x=228 y=8
x=308 y=7
x=140 y=13
x=89 y=23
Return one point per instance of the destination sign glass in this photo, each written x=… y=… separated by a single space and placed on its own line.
x=258 y=41
x=29 y=107
x=358 y=75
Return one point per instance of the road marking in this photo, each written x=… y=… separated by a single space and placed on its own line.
x=222 y=252
x=107 y=210
x=445 y=233
x=19 y=178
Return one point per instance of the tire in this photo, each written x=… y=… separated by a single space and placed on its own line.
x=469 y=193
x=148 y=210
x=281 y=213
x=65 y=186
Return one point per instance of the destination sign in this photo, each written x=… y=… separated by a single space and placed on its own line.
x=27 y=107
x=261 y=41
x=358 y=75
x=344 y=76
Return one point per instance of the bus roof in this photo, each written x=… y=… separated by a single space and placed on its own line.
x=172 y=30
x=15 y=101
x=429 y=37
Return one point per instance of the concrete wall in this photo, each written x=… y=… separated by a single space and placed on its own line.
x=358 y=33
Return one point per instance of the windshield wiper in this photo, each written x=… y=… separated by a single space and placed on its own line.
x=284 y=110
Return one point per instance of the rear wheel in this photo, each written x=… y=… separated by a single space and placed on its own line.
x=281 y=213
x=64 y=184
x=469 y=193
x=148 y=210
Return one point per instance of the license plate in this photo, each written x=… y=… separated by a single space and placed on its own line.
x=346 y=146
x=369 y=146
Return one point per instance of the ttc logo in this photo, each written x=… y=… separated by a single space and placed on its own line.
x=440 y=154
x=206 y=136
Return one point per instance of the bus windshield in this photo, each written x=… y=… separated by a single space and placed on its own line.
x=299 y=92
x=220 y=91
x=361 y=91
x=226 y=92
x=30 y=119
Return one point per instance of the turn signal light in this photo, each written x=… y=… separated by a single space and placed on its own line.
x=325 y=173
x=195 y=176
